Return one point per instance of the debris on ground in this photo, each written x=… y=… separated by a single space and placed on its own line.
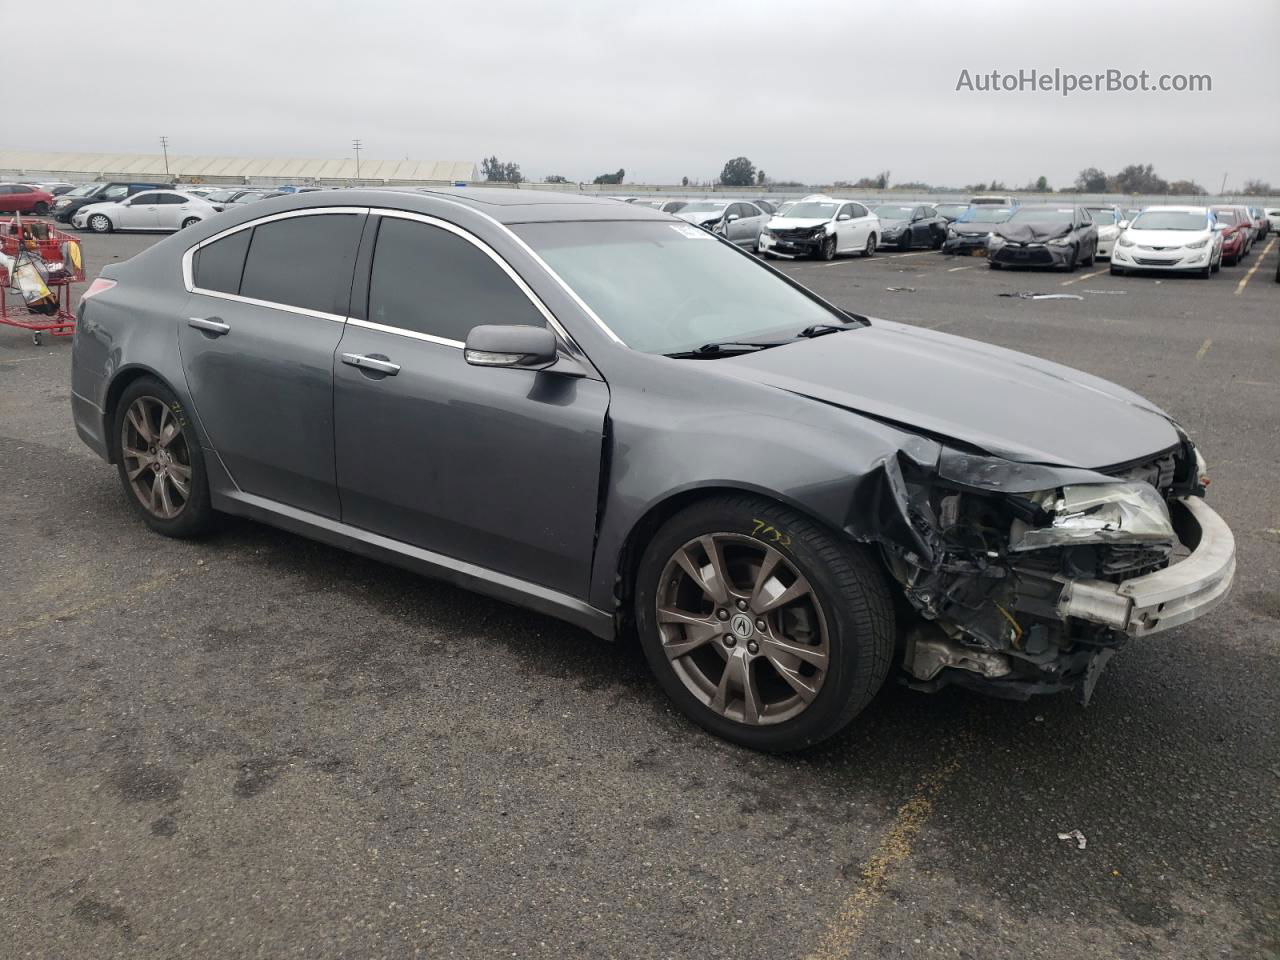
x=901 y=289
x=1032 y=295
x=1076 y=836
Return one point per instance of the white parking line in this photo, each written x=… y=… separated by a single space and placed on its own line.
x=1204 y=348
x=1083 y=276
x=1254 y=269
x=957 y=269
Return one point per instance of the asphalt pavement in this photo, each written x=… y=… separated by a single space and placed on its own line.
x=258 y=746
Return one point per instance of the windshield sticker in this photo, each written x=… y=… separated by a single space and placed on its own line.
x=693 y=233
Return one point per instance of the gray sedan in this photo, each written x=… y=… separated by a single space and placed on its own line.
x=622 y=420
x=738 y=221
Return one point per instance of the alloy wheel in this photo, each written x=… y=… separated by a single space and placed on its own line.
x=156 y=458
x=99 y=223
x=743 y=629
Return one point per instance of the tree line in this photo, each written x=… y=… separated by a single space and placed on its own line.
x=741 y=172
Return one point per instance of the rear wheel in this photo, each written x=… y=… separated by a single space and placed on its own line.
x=764 y=628
x=41 y=209
x=99 y=223
x=870 y=249
x=160 y=462
x=190 y=222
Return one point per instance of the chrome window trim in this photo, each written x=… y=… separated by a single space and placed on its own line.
x=402 y=332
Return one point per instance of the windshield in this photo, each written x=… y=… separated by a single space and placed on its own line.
x=703 y=206
x=668 y=288
x=1170 y=220
x=1042 y=215
x=1226 y=216
x=221 y=195
x=813 y=209
x=86 y=190
x=1103 y=217
x=952 y=209
x=986 y=215
x=889 y=212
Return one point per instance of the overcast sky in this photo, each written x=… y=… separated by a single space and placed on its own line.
x=815 y=91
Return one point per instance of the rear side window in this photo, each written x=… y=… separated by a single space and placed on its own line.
x=431 y=281
x=303 y=262
x=218 y=265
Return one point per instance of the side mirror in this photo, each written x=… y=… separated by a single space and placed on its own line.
x=1123 y=224
x=731 y=217
x=1221 y=227
x=844 y=216
x=510 y=345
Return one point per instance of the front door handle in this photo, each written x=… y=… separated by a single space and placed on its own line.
x=209 y=325
x=374 y=364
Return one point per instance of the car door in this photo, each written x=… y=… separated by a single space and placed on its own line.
x=752 y=222
x=844 y=223
x=494 y=467
x=170 y=208
x=7 y=199
x=266 y=312
x=139 y=212
x=860 y=224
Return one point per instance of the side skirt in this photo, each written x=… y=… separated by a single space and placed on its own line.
x=458 y=572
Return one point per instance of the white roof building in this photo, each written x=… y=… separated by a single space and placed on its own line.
x=265 y=170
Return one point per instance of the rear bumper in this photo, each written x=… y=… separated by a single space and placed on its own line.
x=90 y=424
x=1167 y=598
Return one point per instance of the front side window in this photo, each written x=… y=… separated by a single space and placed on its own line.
x=667 y=288
x=303 y=261
x=118 y=192
x=429 y=280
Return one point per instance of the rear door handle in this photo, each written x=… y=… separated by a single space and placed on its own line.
x=375 y=364
x=209 y=325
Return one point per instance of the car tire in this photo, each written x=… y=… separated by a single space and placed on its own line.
x=99 y=223
x=938 y=241
x=840 y=620
x=40 y=209
x=1092 y=258
x=992 y=265
x=1072 y=262
x=828 y=249
x=770 y=256
x=1205 y=272
x=190 y=222
x=870 y=249
x=164 y=479
x=1217 y=265
x=1117 y=271
x=904 y=242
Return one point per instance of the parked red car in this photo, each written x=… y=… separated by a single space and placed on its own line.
x=1236 y=235
x=20 y=198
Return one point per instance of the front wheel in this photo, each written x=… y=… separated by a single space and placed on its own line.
x=870 y=249
x=160 y=462
x=828 y=249
x=762 y=626
x=99 y=223
x=1117 y=271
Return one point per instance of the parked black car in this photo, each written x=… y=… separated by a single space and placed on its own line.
x=622 y=420
x=65 y=207
x=968 y=234
x=1044 y=235
x=907 y=225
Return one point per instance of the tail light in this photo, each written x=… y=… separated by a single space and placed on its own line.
x=99 y=285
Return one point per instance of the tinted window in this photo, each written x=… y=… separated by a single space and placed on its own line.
x=144 y=198
x=6 y=190
x=303 y=262
x=858 y=210
x=218 y=265
x=170 y=198
x=431 y=281
x=21 y=190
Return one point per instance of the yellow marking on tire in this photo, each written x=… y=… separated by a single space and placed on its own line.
x=844 y=932
x=1204 y=348
x=1257 y=263
x=1084 y=276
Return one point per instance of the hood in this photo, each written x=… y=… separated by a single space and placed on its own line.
x=974 y=229
x=886 y=224
x=1029 y=231
x=797 y=223
x=1165 y=239
x=703 y=217
x=1006 y=403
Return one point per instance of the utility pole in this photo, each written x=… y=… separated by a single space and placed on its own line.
x=164 y=145
x=356 y=145
x=1223 y=189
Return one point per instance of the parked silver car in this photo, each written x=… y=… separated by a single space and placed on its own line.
x=158 y=210
x=737 y=221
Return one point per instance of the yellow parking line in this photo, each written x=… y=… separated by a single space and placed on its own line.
x=1204 y=348
x=1257 y=263
x=846 y=929
x=1083 y=276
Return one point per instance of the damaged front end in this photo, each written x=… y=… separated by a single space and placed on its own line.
x=1030 y=577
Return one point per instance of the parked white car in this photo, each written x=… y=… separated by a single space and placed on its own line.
x=737 y=221
x=823 y=227
x=167 y=210
x=1107 y=219
x=1169 y=238
x=1273 y=215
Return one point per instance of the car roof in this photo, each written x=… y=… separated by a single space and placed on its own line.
x=1176 y=208
x=526 y=206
